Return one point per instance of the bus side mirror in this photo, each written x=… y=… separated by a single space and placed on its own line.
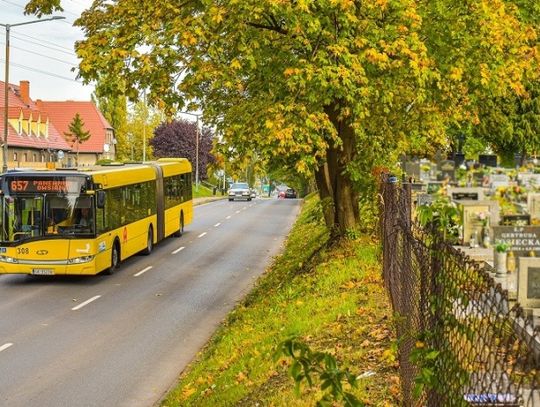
x=100 y=198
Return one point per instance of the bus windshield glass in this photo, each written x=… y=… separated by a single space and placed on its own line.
x=36 y=215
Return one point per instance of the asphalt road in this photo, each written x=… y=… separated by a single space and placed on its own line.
x=122 y=340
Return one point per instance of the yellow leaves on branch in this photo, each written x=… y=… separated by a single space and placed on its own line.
x=217 y=14
x=376 y=57
x=456 y=73
x=235 y=64
x=188 y=38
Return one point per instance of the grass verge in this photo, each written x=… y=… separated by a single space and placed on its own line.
x=330 y=296
x=202 y=192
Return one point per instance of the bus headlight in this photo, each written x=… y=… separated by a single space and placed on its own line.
x=7 y=259
x=79 y=260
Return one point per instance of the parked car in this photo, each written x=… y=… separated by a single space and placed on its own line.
x=290 y=193
x=239 y=190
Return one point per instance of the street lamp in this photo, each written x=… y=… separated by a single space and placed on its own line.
x=197 y=115
x=6 y=84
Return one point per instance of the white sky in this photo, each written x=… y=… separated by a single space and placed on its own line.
x=43 y=53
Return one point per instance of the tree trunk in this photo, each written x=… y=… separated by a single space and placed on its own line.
x=333 y=180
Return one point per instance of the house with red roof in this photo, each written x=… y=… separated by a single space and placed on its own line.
x=32 y=138
x=100 y=145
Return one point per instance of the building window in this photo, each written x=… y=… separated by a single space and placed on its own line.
x=19 y=131
x=25 y=157
x=14 y=156
x=34 y=158
x=42 y=158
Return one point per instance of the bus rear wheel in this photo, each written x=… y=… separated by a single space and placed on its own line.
x=115 y=258
x=149 y=242
x=180 y=231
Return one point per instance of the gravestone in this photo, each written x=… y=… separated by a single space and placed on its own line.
x=499 y=180
x=529 y=179
x=533 y=205
x=417 y=186
x=523 y=219
x=478 y=178
x=459 y=158
x=424 y=199
x=469 y=194
x=489 y=160
x=529 y=282
x=522 y=240
x=448 y=170
x=472 y=222
x=412 y=169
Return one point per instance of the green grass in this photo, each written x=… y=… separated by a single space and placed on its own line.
x=202 y=192
x=329 y=296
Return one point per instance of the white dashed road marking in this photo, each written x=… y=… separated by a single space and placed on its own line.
x=5 y=346
x=202 y=234
x=85 y=303
x=142 y=271
x=178 y=250
x=228 y=217
x=217 y=224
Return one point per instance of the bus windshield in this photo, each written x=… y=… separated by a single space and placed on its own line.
x=29 y=216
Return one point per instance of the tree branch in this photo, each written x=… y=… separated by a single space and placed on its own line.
x=274 y=28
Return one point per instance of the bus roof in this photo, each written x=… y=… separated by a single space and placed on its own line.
x=113 y=175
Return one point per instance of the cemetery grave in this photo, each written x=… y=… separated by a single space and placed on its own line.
x=498 y=207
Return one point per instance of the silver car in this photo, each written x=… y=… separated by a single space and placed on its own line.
x=239 y=190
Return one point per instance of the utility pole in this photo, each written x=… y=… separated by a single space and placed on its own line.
x=144 y=127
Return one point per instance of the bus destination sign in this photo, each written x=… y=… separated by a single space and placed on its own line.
x=44 y=185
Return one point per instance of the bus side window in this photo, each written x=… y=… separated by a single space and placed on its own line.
x=101 y=221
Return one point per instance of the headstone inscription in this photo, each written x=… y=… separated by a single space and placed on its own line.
x=522 y=240
x=489 y=160
x=529 y=282
x=470 y=194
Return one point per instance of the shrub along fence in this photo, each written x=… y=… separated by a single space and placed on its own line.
x=461 y=342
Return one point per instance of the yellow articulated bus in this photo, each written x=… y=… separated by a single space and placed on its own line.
x=87 y=221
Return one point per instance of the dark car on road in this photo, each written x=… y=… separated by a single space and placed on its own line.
x=290 y=193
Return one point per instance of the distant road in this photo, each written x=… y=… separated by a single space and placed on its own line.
x=122 y=340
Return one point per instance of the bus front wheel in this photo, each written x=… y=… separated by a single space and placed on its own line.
x=115 y=258
x=149 y=242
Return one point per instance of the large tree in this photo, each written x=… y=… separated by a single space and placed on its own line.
x=335 y=86
x=114 y=108
x=179 y=139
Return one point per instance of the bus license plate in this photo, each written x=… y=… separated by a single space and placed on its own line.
x=43 y=272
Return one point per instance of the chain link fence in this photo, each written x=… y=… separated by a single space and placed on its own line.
x=461 y=341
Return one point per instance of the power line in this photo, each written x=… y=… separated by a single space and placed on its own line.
x=28 y=68
x=42 y=55
x=45 y=46
x=40 y=40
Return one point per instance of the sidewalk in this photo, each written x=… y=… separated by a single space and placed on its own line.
x=206 y=199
